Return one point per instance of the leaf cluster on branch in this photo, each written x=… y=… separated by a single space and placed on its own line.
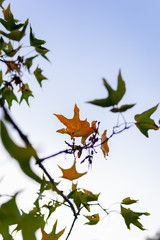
x=80 y=201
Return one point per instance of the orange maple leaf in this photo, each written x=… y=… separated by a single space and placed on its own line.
x=75 y=127
x=71 y=173
x=104 y=142
x=11 y=66
x=52 y=235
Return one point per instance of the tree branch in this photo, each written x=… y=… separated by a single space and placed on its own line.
x=27 y=142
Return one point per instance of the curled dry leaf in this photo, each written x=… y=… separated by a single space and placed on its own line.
x=104 y=144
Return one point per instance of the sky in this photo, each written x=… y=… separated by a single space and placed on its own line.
x=88 y=41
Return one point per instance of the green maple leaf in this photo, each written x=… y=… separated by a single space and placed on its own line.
x=10 y=52
x=39 y=76
x=16 y=35
x=114 y=96
x=128 y=201
x=8 y=95
x=26 y=93
x=29 y=224
x=9 y=23
x=93 y=219
x=34 y=41
x=144 y=122
x=29 y=61
x=122 y=108
x=83 y=197
x=131 y=217
x=21 y=154
x=9 y=215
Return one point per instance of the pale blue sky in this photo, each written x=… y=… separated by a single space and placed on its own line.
x=90 y=40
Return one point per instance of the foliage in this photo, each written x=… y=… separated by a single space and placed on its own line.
x=12 y=81
x=79 y=201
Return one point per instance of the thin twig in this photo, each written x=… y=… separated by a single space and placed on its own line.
x=74 y=220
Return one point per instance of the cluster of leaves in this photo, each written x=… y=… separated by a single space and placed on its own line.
x=80 y=201
x=15 y=60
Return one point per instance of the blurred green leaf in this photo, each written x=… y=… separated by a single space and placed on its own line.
x=10 y=52
x=144 y=122
x=39 y=76
x=47 y=185
x=128 y=201
x=16 y=35
x=131 y=217
x=114 y=96
x=29 y=224
x=9 y=215
x=34 y=41
x=20 y=154
x=52 y=206
x=122 y=108
x=29 y=61
x=42 y=51
x=26 y=93
x=83 y=198
x=3 y=44
x=93 y=219
x=8 y=95
x=9 y=23
x=1 y=2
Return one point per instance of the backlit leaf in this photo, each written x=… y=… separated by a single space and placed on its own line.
x=9 y=215
x=8 y=95
x=131 y=217
x=47 y=185
x=75 y=127
x=9 y=22
x=34 y=41
x=21 y=154
x=93 y=219
x=29 y=224
x=122 y=108
x=28 y=62
x=42 y=51
x=10 y=52
x=16 y=35
x=39 y=76
x=144 y=122
x=52 y=235
x=114 y=96
x=128 y=201
x=83 y=197
x=12 y=66
x=71 y=173
x=26 y=93
x=104 y=144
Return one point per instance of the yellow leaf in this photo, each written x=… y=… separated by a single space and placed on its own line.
x=71 y=173
x=104 y=144
x=75 y=127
